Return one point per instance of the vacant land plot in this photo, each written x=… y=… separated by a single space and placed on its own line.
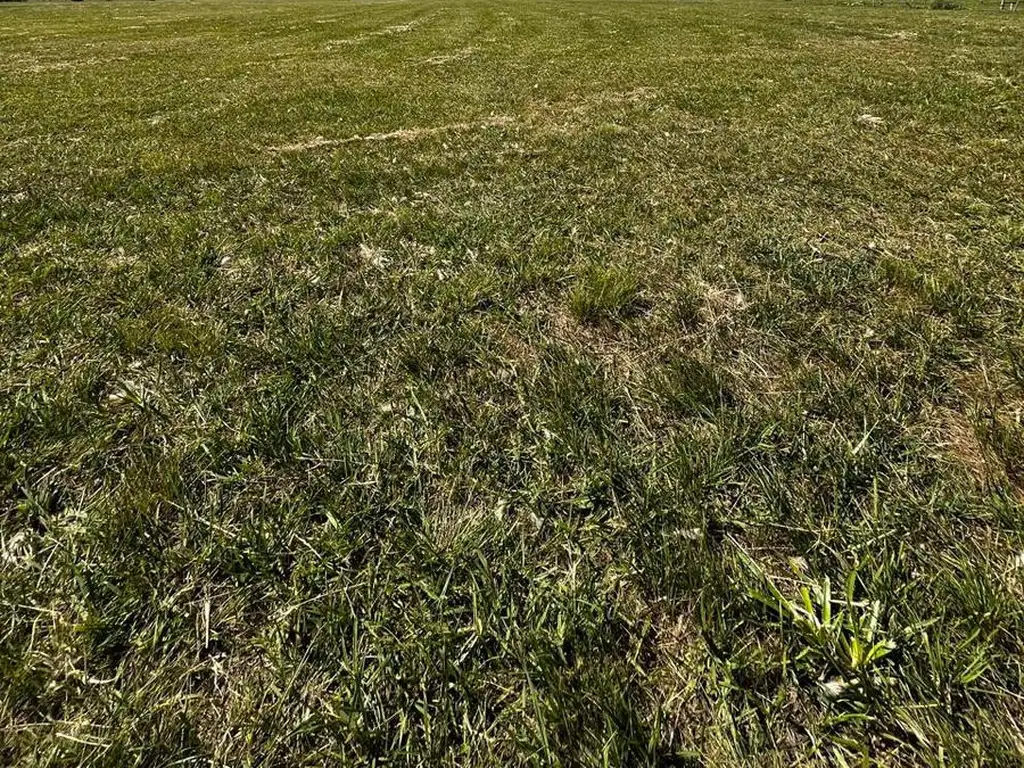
x=482 y=383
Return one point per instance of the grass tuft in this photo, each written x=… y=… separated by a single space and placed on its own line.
x=606 y=293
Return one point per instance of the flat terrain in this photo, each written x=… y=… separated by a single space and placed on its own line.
x=530 y=383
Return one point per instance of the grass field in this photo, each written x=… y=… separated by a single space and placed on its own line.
x=459 y=382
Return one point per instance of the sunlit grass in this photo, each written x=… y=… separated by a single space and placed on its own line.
x=491 y=383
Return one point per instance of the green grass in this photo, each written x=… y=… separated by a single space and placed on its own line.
x=540 y=383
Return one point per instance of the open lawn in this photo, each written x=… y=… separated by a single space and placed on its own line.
x=465 y=382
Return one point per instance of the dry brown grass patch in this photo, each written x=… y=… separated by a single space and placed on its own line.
x=402 y=134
